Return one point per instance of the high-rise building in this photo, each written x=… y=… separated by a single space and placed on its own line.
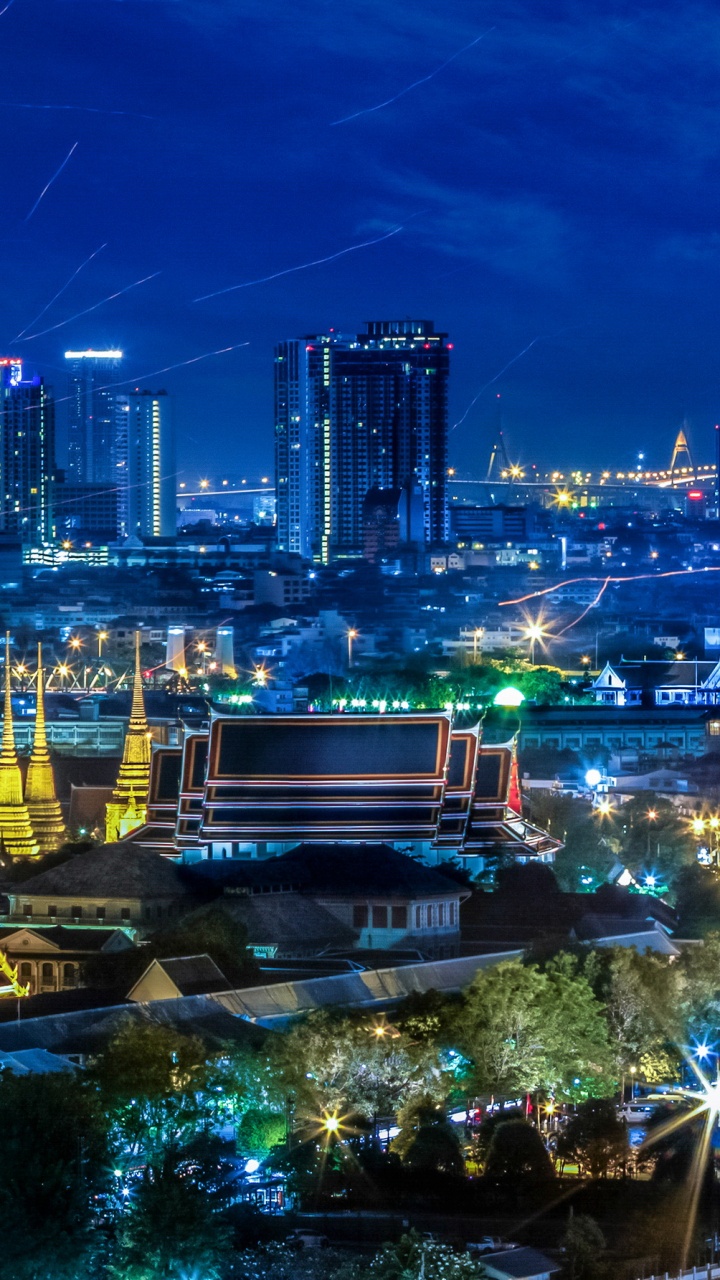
x=145 y=466
x=27 y=455
x=92 y=415
x=355 y=414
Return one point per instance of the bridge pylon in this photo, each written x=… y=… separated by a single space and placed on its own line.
x=681 y=454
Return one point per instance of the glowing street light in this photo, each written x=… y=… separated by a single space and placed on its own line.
x=260 y=677
x=351 y=635
x=534 y=633
x=478 y=633
x=101 y=635
x=75 y=643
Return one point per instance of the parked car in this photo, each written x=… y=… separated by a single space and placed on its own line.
x=490 y=1244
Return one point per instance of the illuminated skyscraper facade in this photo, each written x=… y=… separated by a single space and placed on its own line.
x=27 y=455
x=92 y=415
x=145 y=465
x=354 y=414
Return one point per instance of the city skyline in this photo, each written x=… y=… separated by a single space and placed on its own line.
x=539 y=184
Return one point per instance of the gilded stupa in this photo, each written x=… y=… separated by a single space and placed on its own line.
x=15 y=830
x=128 y=808
x=42 y=803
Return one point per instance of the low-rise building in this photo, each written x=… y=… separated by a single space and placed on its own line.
x=119 y=885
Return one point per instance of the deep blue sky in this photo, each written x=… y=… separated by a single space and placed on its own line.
x=558 y=180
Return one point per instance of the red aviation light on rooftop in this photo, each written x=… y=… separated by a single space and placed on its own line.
x=695 y=493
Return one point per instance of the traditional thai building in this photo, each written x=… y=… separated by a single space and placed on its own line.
x=128 y=808
x=43 y=806
x=16 y=835
x=257 y=786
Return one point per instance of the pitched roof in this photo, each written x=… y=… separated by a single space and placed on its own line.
x=121 y=870
x=520 y=1264
x=345 y=870
x=289 y=920
x=65 y=939
x=195 y=975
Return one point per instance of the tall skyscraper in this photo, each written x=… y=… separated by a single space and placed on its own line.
x=92 y=415
x=145 y=465
x=354 y=414
x=27 y=455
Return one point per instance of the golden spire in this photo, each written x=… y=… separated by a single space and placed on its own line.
x=15 y=830
x=128 y=808
x=42 y=803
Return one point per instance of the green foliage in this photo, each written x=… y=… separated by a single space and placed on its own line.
x=168 y=1231
x=641 y=996
x=427 y=1139
x=588 y=847
x=594 y=1139
x=517 y=1155
x=259 y=1131
x=25 y=868
x=336 y=1064
x=153 y=1084
x=55 y=1159
x=697 y=897
x=584 y=1245
x=526 y=1031
x=413 y=1258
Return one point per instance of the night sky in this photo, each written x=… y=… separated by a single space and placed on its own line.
x=556 y=181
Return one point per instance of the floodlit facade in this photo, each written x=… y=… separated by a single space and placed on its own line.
x=355 y=414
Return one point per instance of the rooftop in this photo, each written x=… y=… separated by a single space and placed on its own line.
x=121 y=870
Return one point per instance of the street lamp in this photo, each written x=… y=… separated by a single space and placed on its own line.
x=478 y=633
x=351 y=635
x=534 y=633
x=101 y=635
x=260 y=677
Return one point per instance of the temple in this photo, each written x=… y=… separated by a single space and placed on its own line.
x=128 y=808
x=257 y=786
x=41 y=800
x=16 y=832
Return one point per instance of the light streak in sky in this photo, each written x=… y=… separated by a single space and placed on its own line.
x=7 y=6
x=94 y=307
x=504 y=369
x=154 y=373
x=304 y=266
x=585 y=611
x=637 y=577
x=59 y=292
x=66 y=106
x=48 y=185
x=366 y=111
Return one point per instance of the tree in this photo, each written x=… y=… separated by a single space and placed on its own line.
x=55 y=1160
x=337 y=1064
x=526 y=1030
x=153 y=1084
x=584 y=1245
x=641 y=1001
x=594 y=1139
x=414 y=1258
x=259 y=1131
x=517 y=1155
x=169 y=1231
x=428 y=1141
x=210 y=931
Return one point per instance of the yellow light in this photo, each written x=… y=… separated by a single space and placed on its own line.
x=604 y=808
x=652 y=814
x=714 y=823
x=204 y=484
x=64 y=671
x=535 y=632
x=698 y=826
x=202 y=646
x=67 y=545
x=102 y=635
x=352 y=634
x=76 y=643
x=585 y=660
x=331 y=1124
